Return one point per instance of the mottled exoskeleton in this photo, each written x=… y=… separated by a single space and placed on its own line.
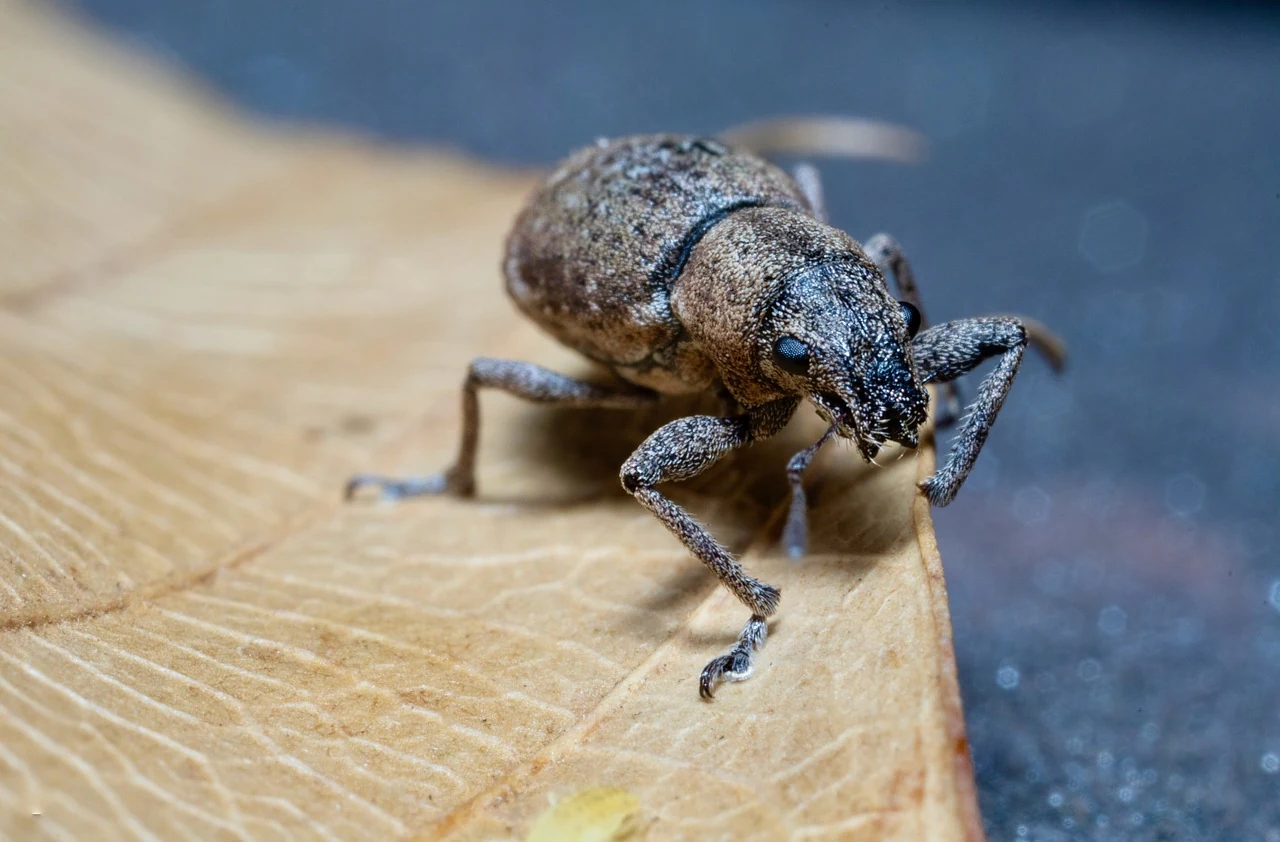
x=687 y=266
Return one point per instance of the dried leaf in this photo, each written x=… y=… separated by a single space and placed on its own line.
x=204 y=328
x=598 y=814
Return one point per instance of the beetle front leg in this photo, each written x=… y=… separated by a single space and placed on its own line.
x=524 y=380
x=948 y=351
x=679 y=451
x=735 y=665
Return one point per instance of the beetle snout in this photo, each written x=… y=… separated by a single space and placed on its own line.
x=908 y=438
x=902 y=403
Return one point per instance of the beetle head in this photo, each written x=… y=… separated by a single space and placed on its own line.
x=784 y=304
x=836 y=336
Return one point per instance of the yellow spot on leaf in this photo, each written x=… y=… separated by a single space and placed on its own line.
x=599 y=814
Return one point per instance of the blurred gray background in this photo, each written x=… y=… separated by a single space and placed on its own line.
x=1111 y=169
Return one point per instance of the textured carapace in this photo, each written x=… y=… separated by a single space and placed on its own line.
x=679 y=263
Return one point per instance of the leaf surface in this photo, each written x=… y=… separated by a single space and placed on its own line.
x=204 y=328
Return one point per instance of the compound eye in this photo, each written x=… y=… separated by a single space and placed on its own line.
x=912 y=317
x=791 y=355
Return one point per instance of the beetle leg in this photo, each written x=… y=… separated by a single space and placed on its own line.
x=1048 y=343
x=735 y=665
x=681 y=450
x=524 y=380
x=795 y=535
x=810 y=181
x=889 y=257
x=948 y=351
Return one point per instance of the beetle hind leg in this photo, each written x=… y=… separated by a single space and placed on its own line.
x=523 y=380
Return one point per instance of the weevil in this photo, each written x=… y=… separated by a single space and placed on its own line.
x=685 y=264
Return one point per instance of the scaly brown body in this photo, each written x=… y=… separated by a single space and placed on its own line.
x=597 y=250
x=686 y=266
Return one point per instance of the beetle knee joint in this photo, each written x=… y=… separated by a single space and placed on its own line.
x=633 y=477
x=476 y=371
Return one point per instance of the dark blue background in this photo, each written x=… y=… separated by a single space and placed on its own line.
x=1113 y=170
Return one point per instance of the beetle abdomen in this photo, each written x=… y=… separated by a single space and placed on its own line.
x=593 y=255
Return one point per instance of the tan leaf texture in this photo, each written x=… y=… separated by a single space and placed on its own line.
x=205 y=326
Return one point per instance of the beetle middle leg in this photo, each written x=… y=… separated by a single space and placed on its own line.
x=795 y=535
x=948 y=351
x=524 y=380
x=679 y=451
x=887 y=253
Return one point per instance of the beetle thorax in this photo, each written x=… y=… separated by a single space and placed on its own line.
x=734 y=276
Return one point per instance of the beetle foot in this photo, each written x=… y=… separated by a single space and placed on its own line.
x=734 y=665
x=940 y=488
x=400 y=488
